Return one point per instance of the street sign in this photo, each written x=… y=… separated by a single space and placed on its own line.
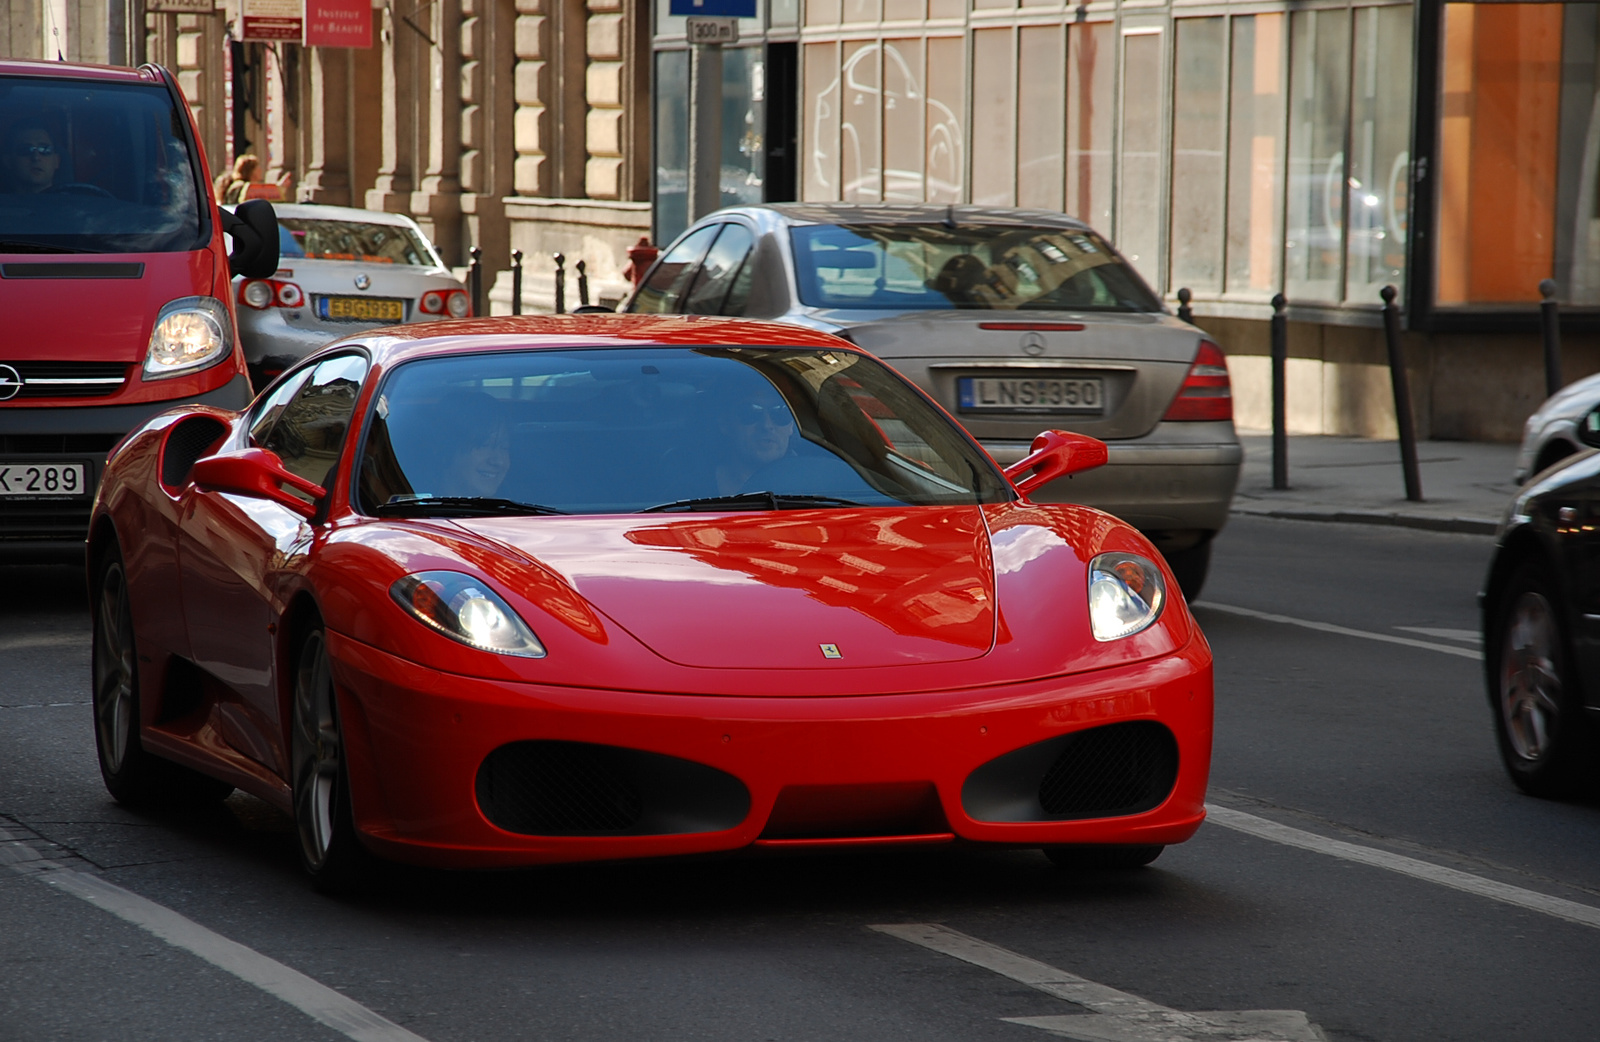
x=712 y=30
x=339 y=23
x=714 y=8
x=272 y=20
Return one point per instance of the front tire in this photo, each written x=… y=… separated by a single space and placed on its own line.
x=1190 y=568
x=1538 y=718
x=1102 y=856
x=330 y=849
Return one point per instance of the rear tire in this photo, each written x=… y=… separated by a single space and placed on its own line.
x=1190 y=568
x=1102 y=856
x=1538 y=716
x=330 y=849
x=133 y=776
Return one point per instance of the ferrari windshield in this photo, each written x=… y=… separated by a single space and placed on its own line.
x=92 y=167
x=617 y=430
x=991 y=267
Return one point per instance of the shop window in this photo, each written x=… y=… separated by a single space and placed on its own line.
x=1199 y=139
x=904 y=104
x=1319 y=91
x=947 y=158
x=819 y=137
x=994 y=117
x=1379 y=175
x=1501 y=151
x=1255 y=156
x=1091 y=106
x=860 y=113
x=744 y=125
x=1138 y=228
x=1041 y=115
x=672 y=144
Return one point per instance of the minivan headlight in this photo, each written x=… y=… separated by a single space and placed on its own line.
x=465 y=609
x=1126 y=595
x=190 y=333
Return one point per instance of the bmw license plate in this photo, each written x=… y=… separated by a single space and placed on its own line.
x=1081 y=395
x=32 y=479
x=365 y=309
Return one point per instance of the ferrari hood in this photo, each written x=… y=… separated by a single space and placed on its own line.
x=813 y=589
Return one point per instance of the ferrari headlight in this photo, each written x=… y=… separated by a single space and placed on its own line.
x=464 y=609
x=190 y=333
x=1126 y=594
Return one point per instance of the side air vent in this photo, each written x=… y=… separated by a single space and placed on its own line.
x=544 y=788
x=1102 y=772
x=187 y=442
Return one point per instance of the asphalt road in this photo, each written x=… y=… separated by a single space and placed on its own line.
x=1339 y=734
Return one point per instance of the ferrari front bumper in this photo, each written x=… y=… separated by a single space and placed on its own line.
x=416 y=740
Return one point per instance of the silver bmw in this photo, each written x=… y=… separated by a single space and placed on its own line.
x=1014 y=320
x=340 y=270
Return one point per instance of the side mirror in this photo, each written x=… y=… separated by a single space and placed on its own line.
x=1056 y=454
x=258 y=473
x=254 y=227
x=1589 y=428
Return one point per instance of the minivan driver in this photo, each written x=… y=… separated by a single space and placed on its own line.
x=29 y=161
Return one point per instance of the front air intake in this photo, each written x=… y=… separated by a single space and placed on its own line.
x=546 y=788
x=1102 y=772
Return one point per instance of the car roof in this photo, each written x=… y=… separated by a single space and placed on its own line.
x=73 y=71
x=552 y=332
x=917 y=213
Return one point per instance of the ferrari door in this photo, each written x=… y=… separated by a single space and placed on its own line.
x=238 y=554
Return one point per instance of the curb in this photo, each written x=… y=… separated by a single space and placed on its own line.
x=1468 y=525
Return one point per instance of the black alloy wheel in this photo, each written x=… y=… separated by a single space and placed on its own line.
x=1538 y=716
x=1102 y=856
x=132 y=775
x=330 y=849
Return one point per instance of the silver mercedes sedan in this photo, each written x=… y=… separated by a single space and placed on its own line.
x=340 y=270
x=1015 y=321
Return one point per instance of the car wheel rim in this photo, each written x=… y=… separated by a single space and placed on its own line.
x=317 y=753
x=1530 y=686
x=113 y=669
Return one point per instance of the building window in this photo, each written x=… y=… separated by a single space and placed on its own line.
x=994 y=117
x=1380 y=157
x=1139 y=209
x=819 y=175
x=1319 y=95
x=1255 y=163
x=1041 y=115
x=1091 y=106
x=947 y=149
x=860 y=115
x=1199 y=159
x=904 y=134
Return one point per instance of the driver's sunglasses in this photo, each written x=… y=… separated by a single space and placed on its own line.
x=750 y=415
x=24 y=151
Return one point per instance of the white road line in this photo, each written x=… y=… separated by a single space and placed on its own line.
x=1343 y=631
x=344 y=1015
x=44 y=640
x=1531 y=900
x=1122 y=1017
x=1465 y=636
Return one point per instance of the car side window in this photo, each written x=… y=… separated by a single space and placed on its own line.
x=268 y=409
x=661 y=294
x=719 y=273
x=309 y=431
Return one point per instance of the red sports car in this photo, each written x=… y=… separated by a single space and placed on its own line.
x=507 y=591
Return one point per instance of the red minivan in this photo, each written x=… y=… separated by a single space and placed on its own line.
x=115 y=298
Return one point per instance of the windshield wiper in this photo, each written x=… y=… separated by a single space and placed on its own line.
x=462 y=506
x=24 y=246
x=767 y=500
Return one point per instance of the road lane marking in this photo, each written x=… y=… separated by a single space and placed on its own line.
x=1122 y=1017
x=1531 y=900
x=44 y=640
x=1343 y=631
x=1465 y=636
x=318 y=1001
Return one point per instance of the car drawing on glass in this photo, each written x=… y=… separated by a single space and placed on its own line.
x=1541 y=624
x=1012 y=320
x=340 y=270
x=501 y=592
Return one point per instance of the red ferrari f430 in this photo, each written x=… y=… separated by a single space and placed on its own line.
x=506 y=592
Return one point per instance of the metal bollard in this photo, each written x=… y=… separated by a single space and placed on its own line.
x=1550 y=328
x=583 y=285
x=561 y=284
x=1280 y=417
x=1185 y=312
x=475 y=281
x=1402 y=395
x=516 y=282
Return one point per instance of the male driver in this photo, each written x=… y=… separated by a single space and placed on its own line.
x=30 y=160
x=757 y=429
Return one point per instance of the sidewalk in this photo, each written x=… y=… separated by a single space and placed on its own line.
x=1466 y=486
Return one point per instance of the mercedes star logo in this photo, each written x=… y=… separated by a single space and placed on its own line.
x=1032 y=344
x=10 y=383
x=362 y=282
